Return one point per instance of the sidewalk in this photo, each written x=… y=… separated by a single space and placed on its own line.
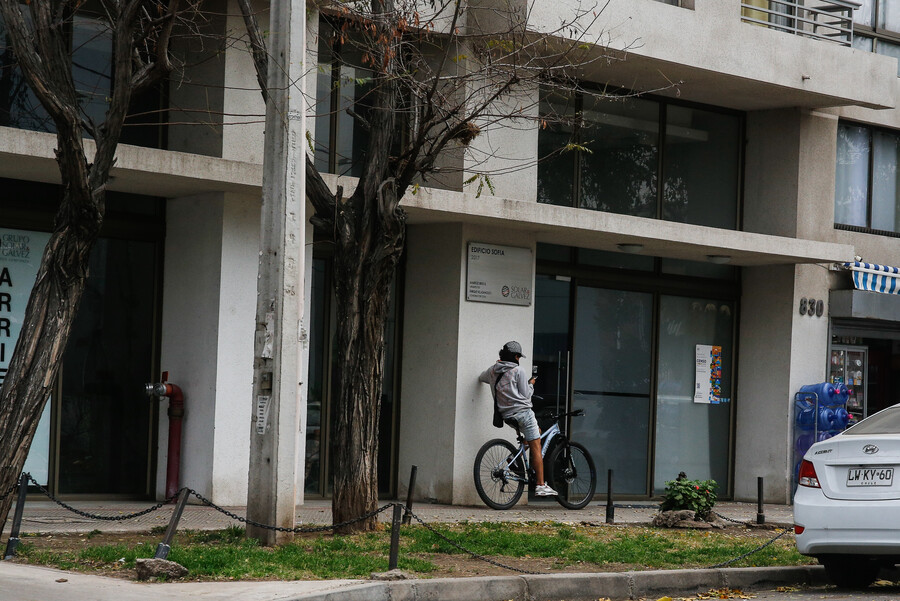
x=46 y=516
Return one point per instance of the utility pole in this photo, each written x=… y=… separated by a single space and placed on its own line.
x=277 y=378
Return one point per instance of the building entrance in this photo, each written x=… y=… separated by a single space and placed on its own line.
x=624 y=349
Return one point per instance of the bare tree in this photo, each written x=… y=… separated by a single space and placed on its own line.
x=442 y=71
x=39 y=36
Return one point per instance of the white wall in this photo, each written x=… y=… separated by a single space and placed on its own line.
x=447 y=342
x=483 y=329
x=209 y=300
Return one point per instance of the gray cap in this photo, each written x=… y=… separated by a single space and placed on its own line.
x=513 y=347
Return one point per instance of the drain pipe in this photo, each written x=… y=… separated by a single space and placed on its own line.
x=175 y=412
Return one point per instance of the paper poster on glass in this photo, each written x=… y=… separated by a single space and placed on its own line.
x=20 y=257
x=708 y=374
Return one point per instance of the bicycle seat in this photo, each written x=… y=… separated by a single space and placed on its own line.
x=511 y=423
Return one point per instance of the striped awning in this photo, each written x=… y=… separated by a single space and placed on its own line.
x=875 y=278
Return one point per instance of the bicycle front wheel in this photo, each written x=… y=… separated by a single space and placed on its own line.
x=499 y=474
x=571 y=472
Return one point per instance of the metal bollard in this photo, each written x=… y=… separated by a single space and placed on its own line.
x=163 y=548
x=760 y=512
x=407 y=516
x=610 y=508
x=13 y=541
x=395 y=538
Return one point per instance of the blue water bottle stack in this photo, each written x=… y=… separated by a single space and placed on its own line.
x=820 y=413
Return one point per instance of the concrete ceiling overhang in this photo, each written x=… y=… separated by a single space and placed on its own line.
x=29 y=156
x=604 y=231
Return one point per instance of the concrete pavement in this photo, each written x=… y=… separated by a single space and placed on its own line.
x=42 y=515
x=22 y=582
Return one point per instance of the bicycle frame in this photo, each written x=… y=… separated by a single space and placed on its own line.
x=546 y=437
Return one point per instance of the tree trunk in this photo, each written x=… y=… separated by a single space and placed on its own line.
x=364 y=267
x=45 y=331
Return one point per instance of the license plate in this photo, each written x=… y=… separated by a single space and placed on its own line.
x=870 y=476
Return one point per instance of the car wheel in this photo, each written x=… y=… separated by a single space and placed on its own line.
x=851 y=572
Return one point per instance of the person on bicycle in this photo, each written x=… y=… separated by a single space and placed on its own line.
x=512 y=390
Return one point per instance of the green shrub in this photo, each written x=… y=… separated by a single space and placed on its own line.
x=697 y=495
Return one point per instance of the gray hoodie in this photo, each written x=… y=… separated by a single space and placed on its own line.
x=513 y=392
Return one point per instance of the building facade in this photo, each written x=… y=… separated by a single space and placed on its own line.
x=754 y=148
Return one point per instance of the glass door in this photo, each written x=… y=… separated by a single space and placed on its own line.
x=611 y=381
x=692 y=436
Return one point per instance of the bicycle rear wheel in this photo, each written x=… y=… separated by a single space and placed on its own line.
x=571 y=472
x=499 y=478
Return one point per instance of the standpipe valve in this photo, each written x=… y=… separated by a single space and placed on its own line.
x=175 y=412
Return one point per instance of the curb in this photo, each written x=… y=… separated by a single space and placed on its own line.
x=574 y=587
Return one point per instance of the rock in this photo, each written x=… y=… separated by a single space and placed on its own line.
x=154 y=568
x=693 y=524
x=394 y=574
x=668 y=519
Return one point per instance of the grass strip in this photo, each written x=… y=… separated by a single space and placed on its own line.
x=229 y=555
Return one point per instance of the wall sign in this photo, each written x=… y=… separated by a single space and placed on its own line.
x=708 y=375
x=20 y=257
x=499 y=274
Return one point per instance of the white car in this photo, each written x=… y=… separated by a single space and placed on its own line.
x=847 y=504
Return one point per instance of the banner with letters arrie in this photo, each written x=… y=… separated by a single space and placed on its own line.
x=499 y=274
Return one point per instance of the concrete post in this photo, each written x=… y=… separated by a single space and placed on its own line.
x=278 y=405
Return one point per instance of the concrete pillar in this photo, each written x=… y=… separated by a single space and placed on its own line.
x=210 y=256
x=279 y=407
x=786 y=194
x=447 y=342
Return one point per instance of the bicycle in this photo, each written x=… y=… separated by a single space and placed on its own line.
x=501 y=470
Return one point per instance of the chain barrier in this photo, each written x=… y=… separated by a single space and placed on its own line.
x=296 y=530
x=370 y=514
x=11 y=489
x=749 y=553
x=108 y=518
x=472 y=553
x=733 y=521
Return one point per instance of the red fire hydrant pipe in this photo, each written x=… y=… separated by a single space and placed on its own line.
x=176 y=414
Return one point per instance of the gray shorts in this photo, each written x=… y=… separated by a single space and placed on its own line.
x=528 y=425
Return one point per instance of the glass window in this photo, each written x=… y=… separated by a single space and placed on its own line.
x=685 y=323
x=342 y=89
x=92 y=66
x=889 y=15
x=324 y=84
x=619 y=168
x=864 y=15
x=553 y=252
x=852 y=176
x=698 y=269
x=601 y=258
x=556 y=161
x=615 y=159
x=889 y=49
x=701 y=167
x=862 y=43
x=884 y=181
x=883 y=422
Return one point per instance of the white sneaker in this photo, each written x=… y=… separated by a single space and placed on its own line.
x=543 y=490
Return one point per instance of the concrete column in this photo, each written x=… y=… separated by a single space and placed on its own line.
x=447 y=342
x=279 y=407
x=786 y=194
x=210 y=255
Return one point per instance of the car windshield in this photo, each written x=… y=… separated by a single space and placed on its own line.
x=883 y=422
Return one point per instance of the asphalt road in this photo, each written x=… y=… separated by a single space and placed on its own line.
x=819 y=593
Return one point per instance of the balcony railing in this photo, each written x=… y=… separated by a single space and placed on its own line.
x=830 y=20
